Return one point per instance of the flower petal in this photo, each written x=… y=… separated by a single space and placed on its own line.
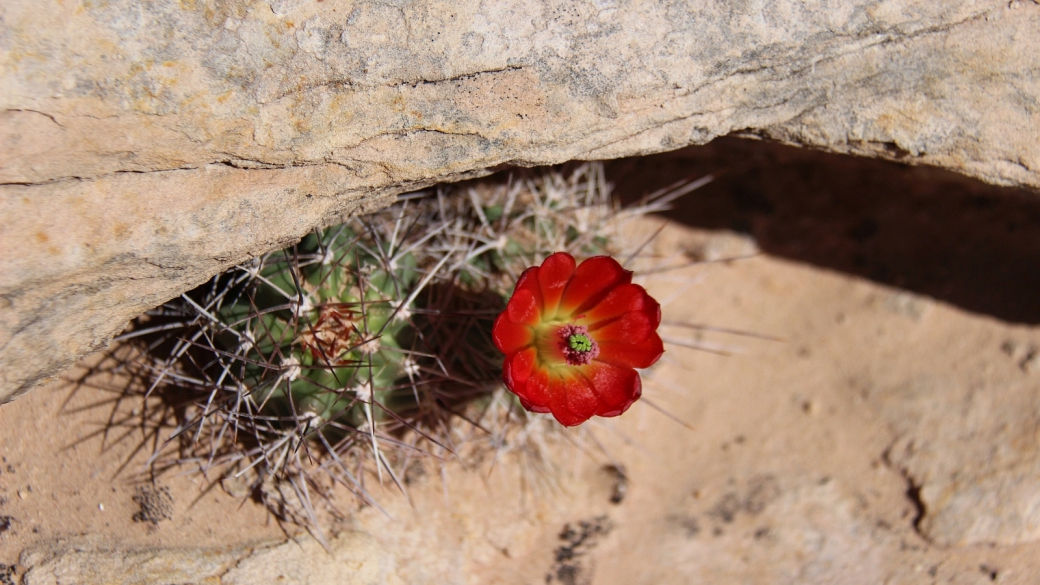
x=509 y=336
x=631 y=327
x=592 y=280
x=623 y=299
x=631 y=355
x=553 y=277
x=532 y=408
x=522 y=364
x=536 y=391
x=510 y=382
x=617 y=387
x=523 y=309
x=529 y=281
x=572 y=399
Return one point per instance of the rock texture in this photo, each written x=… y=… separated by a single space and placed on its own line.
x=88 y=560
x=144 y=147
x=970 y=449
x=351 y=559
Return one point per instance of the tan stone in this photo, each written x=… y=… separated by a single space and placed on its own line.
x=971 y=451
x=352 y=558
x=90 y=560
x=144 y=147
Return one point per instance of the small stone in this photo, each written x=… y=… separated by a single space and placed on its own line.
x=1031 y=363
x=728 y=246
x=1011 y=347
x=913 y=306
x=811 y=407
x=1017 y=351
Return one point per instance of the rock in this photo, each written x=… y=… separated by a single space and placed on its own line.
x=145 y=147
x=1031 y=363
x=909 y=305
x=776 y=530
x=352 y=558
x=89 y=560
x=971 y=453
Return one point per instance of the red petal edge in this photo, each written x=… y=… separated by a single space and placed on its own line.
x=529 y=281
x=623 y=299
x=572 y=399
x=510 y=337
x=522 y=364
x=593 y=279
x=537 y=391
x=532 y=408
x=631 y=355
x=617 y=387
x=630 y=328
x=555 y=273
x=523 y=308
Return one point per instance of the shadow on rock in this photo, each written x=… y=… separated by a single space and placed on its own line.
x=928 y=231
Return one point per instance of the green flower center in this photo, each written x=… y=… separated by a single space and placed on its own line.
x=578 y=347
x=580 y=342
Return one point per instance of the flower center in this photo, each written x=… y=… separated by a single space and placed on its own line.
x=579 y=342
x=578 y=348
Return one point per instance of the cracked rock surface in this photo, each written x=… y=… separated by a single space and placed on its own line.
x=146 y=146
x=352 y=558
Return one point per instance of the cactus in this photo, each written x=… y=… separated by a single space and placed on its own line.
x=324 y=330
x=368 y=338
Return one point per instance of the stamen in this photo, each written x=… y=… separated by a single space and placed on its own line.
x=578 y=347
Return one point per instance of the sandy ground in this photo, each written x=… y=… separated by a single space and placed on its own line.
x=790 y=464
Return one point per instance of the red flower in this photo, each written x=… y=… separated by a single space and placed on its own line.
x=573 y=336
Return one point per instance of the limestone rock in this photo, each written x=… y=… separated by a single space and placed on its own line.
x=89 y=560
x=352 y=558
x=145 y=147
x=973 y=455
x=964 y=414
x=777 y=530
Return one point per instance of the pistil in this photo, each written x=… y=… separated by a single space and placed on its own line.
x=578 y=347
